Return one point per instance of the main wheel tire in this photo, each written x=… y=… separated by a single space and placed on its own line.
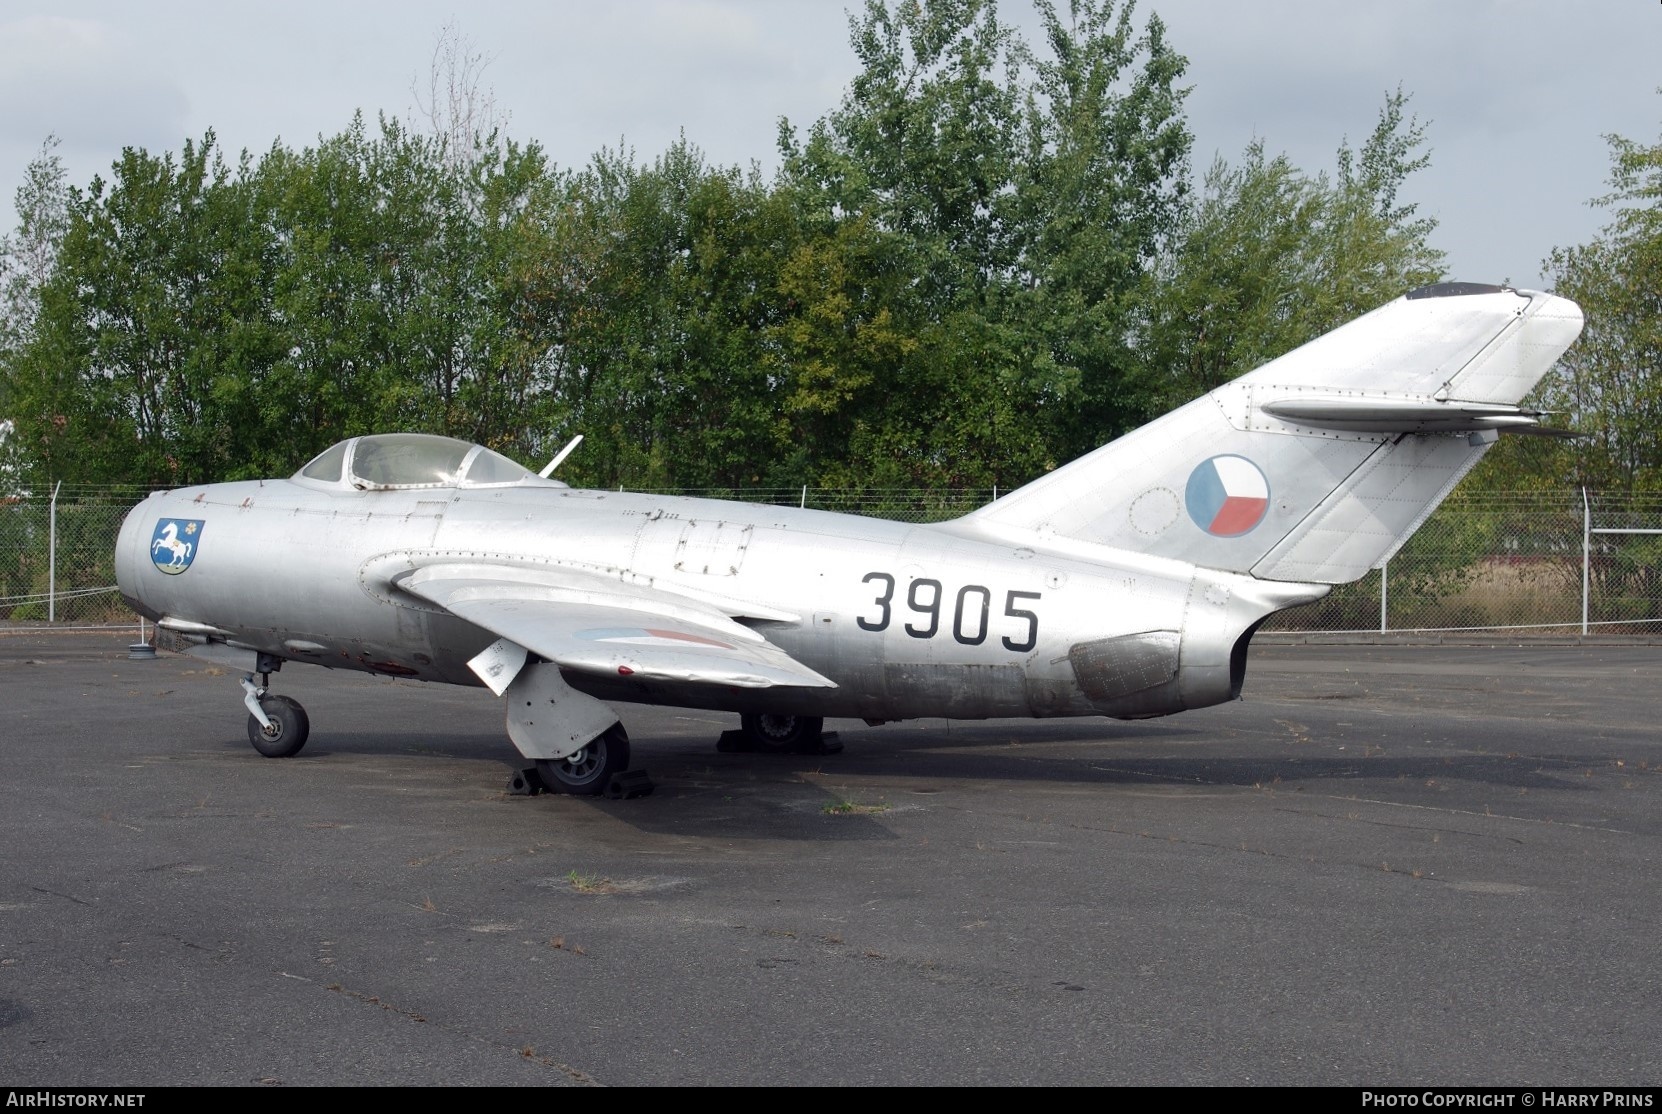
x=588 y=771
x=288 y=730
x=781 y=733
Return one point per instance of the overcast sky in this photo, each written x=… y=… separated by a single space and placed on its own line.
x=1518 y=93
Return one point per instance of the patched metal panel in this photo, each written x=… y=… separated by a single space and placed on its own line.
x=712 y=548
x=1112 y=668
x=971 y=691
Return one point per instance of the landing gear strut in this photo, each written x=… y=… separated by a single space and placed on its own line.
x=576 y=741
x=277 y=725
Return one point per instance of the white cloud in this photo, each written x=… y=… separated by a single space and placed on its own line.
x=1517 y=92
x=81 y=80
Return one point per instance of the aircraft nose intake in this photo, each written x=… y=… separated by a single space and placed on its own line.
x=127 y=547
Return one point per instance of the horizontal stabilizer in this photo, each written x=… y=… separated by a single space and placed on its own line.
x=1384 y=415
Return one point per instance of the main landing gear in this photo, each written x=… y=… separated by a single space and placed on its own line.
x=277 y=725
x=771 y=733
x=589 y=769
x=576 y=741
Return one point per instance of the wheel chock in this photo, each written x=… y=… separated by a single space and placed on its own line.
x=526 y=783
x=735 y=742
x=628 y=785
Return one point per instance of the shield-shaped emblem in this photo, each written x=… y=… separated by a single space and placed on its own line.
x=173 y=545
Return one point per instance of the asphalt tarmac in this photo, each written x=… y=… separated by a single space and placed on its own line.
x=1387 y=865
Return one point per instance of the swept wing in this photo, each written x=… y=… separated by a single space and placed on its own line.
x=598 y=624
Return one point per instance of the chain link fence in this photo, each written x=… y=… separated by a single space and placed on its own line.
x=57 y=556
x=1550 y=562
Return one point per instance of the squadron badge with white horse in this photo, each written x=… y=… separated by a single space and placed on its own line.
x=173 y=546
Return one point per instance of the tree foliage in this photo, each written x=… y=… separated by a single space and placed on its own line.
x=1609 y=385
x=207 y=321
x=1022 y=193
x=27 y=259
x=987 y=258
x=1271 y=257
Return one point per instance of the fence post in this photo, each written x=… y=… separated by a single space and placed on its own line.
x=804 y=503
x=1384 y=597
x=52 y=556
x=1586 y=555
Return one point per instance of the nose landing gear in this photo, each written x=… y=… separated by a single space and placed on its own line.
x=277 y=725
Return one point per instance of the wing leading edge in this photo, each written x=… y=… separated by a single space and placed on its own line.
x=601 y=625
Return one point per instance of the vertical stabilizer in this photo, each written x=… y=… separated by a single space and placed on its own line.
x=1320 y=464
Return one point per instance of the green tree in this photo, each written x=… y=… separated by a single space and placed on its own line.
x=671 y=374
x=28 y=257
x=1020 y=197
x=1104 y=189
x=1270 y=257
x=985 y=260
x=905 y=192
x=523 y=297
x=338 y=376
x=151 y=320
x=840 y=336
x=1609 y=384
x=205 y=321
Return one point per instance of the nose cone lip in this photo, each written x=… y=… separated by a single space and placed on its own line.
x=127 y=555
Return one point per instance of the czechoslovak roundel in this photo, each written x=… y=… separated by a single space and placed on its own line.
x=1227 y=496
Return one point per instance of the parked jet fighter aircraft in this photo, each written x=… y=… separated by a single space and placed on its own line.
x=1125 y=584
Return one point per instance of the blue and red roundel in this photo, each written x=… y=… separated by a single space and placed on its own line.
x=1227 y=496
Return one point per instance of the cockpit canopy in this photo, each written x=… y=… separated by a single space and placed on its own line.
x=401 y=461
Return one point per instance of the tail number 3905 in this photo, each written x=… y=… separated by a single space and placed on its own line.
x=971 y=613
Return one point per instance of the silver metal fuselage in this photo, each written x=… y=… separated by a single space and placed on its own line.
x=908 y=621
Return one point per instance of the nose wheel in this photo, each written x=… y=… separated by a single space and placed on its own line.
x=277 y=725
x=285 y=731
